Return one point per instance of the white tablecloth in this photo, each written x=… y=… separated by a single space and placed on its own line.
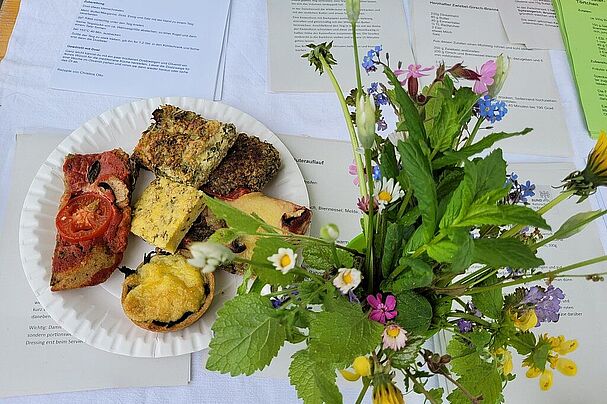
x=28 y=102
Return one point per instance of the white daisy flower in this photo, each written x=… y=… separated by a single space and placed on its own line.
x=394 y=337
x=209 y=255
x=347 y=279
x=283 y=260
x=387 y=192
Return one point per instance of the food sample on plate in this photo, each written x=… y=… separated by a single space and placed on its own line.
x=285 y=215
x=94 y=218
x=250 y=164
x=183 y=146
x=165 y=212
x=166 y=293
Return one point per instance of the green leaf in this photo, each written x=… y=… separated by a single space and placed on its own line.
x=523 y=342
x=392 y=247
x=462 y=154
x=463 y=196
x=491 y=302
x=247 y=335
x=340 y=335
x=505 y=252
x=313 y=381
x=320 y=256
x=433 y=106
x=417 y=274
x=235 y=218
x=540 y=354
x=448 y=182
x=577 y=223
x=445 y=127
x=224 y=235
x=388 y=164
x=463 y=257
x=407 y=108
x=477 y=376
x=264 y=248
x=406 y=356
x=479 y=214
x=493 y=173
x=443 y=251
x=419 y=173
x=437 y=394
x=464 y=100
x=414 y=312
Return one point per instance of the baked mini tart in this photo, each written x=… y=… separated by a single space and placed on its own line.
x=165 y=293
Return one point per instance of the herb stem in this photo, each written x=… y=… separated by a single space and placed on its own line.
x=471 y=317
x=363 y=391
x=370 y=223
x=420 y=387
x=356 y=61
x=479 y=122
x=350 y=126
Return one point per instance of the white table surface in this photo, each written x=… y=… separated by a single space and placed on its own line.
x=26 y=101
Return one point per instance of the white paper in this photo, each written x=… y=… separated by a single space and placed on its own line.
x=38 y=356
x=218 y=94
x=144 y=49
x=470 y=31
x=293 y=24
x=531 y=22
x=582 y=310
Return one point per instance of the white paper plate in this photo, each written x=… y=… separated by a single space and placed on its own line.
x=94 y=314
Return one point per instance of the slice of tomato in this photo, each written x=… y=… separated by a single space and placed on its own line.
x=85 y=217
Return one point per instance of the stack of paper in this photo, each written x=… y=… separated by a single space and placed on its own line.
x=146 y=49
x=583 y=25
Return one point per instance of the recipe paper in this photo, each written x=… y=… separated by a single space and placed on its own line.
x=38 y=356
x=293 y=24
x=144 y=49
x=584 y=29
x=531 y=22
x=470 y=31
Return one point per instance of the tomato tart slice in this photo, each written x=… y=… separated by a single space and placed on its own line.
x=94 y=218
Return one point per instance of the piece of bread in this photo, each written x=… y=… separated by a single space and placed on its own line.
x=165 y=212
x=166 y=293
x=79 y=263
x=183 y=146
x=250 y=164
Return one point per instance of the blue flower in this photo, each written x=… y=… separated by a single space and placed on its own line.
x=527 y=189
x=464 y=325
x=381 y=124
x=376 y=173
x=378 y=48
x=491 y=109
x=373 y=89
x=381 y=99
x=547 y=302
x=368 y=62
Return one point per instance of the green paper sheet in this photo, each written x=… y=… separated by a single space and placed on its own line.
x=583 y=24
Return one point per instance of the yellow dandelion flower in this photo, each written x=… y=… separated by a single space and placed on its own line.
x=566 y=366
x=387 y=393
x=585 y=182
x=546 y=380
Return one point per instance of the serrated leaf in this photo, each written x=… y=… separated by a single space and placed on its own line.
x=445 y=127
x=392 y=247
x=314 y=382
x=462 y=154
x=246 y=336
x=463 y=258
x=407 y=108
x=523 y=342
x=490 y=303
x=577 y=223
x=388 y=164
x=417 y=274
x=505 y=252
x=443 y=251
x=224 y=236
x=493 y=173
x=320 y=256
x=414 y=312
x=235 y=218
x=501 y=215
x=264 y=248
x=406 y=356
x=463 y=196
x=433 y=106
x=419 y=173
x=338 y=336
x=437 y=394
x=464 y=100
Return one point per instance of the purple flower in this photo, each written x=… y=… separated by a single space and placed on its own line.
x=487 y=73
x=363 y=204
x=473 y=310
x=382 y=311
x=278 y=301
x=464 y=325
x=352 y=297
x=381 y=124
x=547 y=302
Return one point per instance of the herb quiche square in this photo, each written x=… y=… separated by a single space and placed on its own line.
x=183 y=146
x=165 y=212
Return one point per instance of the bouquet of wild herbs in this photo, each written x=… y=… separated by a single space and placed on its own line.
x=431 y=210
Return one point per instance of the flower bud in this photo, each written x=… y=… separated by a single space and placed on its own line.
x=503 y=66
x=209 y=255
x=365 y=121
x=329 y=232
x=353 y=10
x=362 y=366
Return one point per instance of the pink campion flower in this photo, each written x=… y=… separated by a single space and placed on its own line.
x=352 y=170
x=415 y=71
x=380 y=311
x=363 y=204
x=487 y=74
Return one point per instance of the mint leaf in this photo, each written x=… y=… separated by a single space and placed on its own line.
x=265 y=247
x=445 y=127
x=462 y=259
x=490 y=303
x=464 y=100
x=501 y=215
x=235 y=218
x=417 y=274
x=320 y=256
x=414 y=312
x=463 y=196
x=577 y=223
x=419 y=173
x=392 y=247
x=388 y=164
x=453 y=157
x=314 y=382
x=505 y=252
x=406 y=356
x=247 y=335
x=443 y=251
x=340 y=335
x=493 y=170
